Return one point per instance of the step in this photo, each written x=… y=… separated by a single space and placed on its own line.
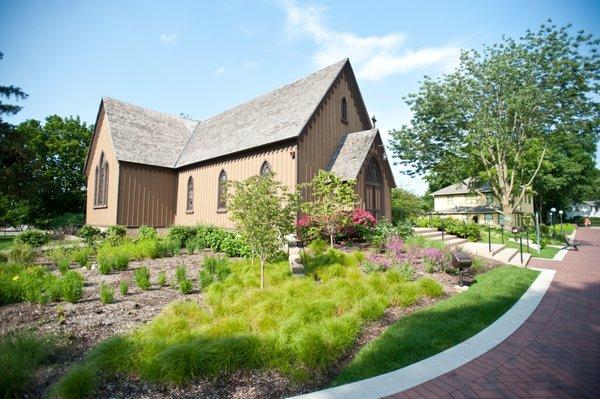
x=482 y=249
x=447 y=237
x=431 y=234
x=516 y=261
x=419 y=230
x=454 y=242
x=506 y=255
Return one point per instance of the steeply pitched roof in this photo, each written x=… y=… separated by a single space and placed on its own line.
x=270 y=118
x=145 y=136
x=351 y=153
x=462 y=187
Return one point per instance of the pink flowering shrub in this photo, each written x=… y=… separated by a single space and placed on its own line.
x=307 y=229
x=363 y=218
x=433 y=260
x=395 y=246
x=376 y=262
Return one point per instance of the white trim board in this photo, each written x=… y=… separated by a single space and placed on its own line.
x=448 y=360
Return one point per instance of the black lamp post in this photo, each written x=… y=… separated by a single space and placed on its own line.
x=502 y=232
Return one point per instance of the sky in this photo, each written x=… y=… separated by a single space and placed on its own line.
x=200 y=58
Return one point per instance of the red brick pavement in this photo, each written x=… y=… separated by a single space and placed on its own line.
x=554 y=354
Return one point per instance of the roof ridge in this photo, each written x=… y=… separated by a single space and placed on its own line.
x=182 y=118
x=340 y=65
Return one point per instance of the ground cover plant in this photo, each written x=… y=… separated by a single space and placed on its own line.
x=296 y=326
x=21 y=354
x=432 y=330
x=34 y=238
x=6 y=241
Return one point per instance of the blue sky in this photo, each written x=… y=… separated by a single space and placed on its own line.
x=201 y=58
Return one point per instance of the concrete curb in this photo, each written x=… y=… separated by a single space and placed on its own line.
x=448 y=360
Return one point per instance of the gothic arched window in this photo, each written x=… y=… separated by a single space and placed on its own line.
x=373 y=175
x=265 y=169
x=190 y=195
x=101 y=182
x=344 y=109
x=222 y=191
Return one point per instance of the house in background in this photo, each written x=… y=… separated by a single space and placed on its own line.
x=459 y=201
x=583 y=209
x=149 y=168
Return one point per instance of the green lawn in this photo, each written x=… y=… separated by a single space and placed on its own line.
x=546 y=253
x=6 y=241
x=447 y=323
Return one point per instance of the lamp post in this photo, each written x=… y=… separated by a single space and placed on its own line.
x=537 y=230
x=560 y=213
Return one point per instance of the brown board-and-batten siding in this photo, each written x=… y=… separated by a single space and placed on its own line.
x=147 y=195
x=377 y=152
x=324 y=132
x=282 y=161
x=104 y=215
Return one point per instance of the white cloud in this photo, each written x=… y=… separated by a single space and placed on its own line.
x=374 y=57
x=249 y=64
x=169 y=38
x=221 y=70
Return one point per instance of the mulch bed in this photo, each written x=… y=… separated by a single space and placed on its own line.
x=88 y=322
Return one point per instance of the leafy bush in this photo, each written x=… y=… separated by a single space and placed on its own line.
x=147 y=233
x=67 y=223
x=33 y=238
x=21 y=355
x=60 y=258
x=383 y=230
x=107 y=293
x=115 y=234
x=406 y=271
x=181 y=234
x=161 y=280
x=81 y=256
x=123 y=287
x=142 y=277
x=3 y=257
x=72 y=286
x=21 y=254
x=89 y=234
x=307 y=229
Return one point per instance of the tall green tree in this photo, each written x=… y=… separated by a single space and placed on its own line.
x=407 y=205
x=507 y=114
x=331 y=202
x=264 y=212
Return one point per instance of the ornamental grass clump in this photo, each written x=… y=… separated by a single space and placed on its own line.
x=82 y=256
x=123 y=287
x=142 y=277
x=71 y=286
x=161 y=280
x=294 y=326
x=107 y=293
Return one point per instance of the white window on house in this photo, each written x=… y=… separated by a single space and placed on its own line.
x=500 y=219
x=489 y=218
x=489 y=197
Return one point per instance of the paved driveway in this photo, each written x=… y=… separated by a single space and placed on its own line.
x=555 y=354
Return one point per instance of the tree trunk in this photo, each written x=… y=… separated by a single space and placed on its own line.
x=262 y=273
x=331 y=240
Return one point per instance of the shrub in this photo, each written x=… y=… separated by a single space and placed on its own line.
x=181 y=234
x=406 y=271
x=115 y=234
x=67 y=223
x=71 y=286
x=123 y=287
x=21 y=354
x=33 y=238
x=185 y=285
x=60 y=258
x=307 y=229
x=433 y=260
x=89 y=234
x=147 y=233
x=20 y=253
x=142 y=277
x=161 y=280
x=113 y=258
x=81 y=256
x=363 y=218
x=318 y=246
x=107 y=293
x=3 y=257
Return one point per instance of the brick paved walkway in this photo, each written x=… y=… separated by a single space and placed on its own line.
x=555 y=354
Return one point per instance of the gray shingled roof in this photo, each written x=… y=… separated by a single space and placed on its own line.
x=145 y=136
x=273 y=117
x=459 y=188
x=351 y=153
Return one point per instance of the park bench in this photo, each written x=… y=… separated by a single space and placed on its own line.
x=570 y=243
